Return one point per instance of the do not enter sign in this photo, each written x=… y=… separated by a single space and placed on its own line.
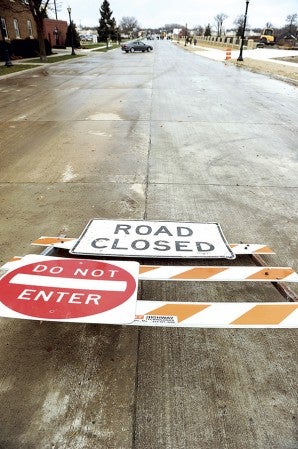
x=50 y=288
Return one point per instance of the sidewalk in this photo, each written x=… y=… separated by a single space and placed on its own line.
x=259 y=60
x=260 y=54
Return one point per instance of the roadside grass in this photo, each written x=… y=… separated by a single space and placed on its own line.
x=52 y=59
x=36 y=62
x=87 y=46
x=104 y=49
x=15 y=68
x=293 y=59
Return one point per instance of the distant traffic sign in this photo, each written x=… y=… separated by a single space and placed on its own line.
x=50 y=288
x=129 y=238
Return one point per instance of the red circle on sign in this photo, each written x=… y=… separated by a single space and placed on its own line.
x=66 y=288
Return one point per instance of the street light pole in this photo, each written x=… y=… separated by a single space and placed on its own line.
x=240 y=58
x=71 y=33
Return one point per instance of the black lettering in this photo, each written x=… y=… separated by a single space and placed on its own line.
x=180 y=233
x=181 y=245
x=115 y=245
x=96 y=245
x=208 y=246
x=163 y=230
x=135 y=245
x=161 y=245
x=122 y=227
x=148 y=230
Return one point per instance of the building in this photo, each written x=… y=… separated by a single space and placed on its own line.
x=16 y=21
x=55 y=31
x=17 y=25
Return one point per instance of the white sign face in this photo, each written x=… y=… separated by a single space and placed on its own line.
x=129 y=238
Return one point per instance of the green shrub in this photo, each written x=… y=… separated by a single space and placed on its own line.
x=28 y=48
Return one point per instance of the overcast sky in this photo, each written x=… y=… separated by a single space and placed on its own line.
x=156 y=13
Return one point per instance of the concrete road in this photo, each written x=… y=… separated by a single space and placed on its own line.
x=166 y=135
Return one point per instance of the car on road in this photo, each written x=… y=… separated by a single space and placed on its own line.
x=136 y=46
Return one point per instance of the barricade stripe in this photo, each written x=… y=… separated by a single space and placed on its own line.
x=264 y=250
x=48 y=241
x=146 y=268
x=218 y=273
x=57 y=242
x=216 y=314
x=208 y=273
x=250 y=248
x=199 y=273
x=271 y=274
x=264 y=314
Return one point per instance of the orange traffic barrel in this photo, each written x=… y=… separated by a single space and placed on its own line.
x=228 y=53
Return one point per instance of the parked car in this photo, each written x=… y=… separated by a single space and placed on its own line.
x=136 y=46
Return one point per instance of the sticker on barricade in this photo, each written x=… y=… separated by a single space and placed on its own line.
x=224 y=315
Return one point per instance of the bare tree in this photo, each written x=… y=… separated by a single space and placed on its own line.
x=129 y=24
x=239 y=23
x=291 y=20
x=219 y=19
x=172 y=26
x=199 y=30
x=38 y=9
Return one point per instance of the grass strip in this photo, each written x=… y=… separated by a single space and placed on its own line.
x=15 y=68
x=52 y=59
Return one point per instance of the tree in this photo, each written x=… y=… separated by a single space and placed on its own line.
x=239 y=23
x=107 y=24
x=169 y=27
x=129 y=25
x=199 y=30
x=291 y=20
x=38 y=10
x=207 y=30
x=219 y=19
x=72 y=36
x=184 y=32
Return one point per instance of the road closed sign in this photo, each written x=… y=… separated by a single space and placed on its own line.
x=50 y=288
x=152 y=239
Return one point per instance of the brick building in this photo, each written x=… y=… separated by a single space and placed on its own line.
x=17 y=23
x=55 y=31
